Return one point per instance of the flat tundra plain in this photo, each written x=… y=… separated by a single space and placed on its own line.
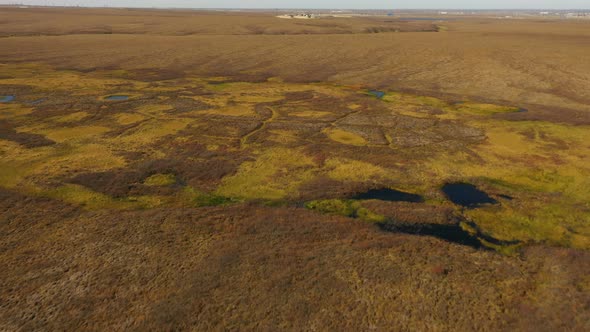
x=192 y=170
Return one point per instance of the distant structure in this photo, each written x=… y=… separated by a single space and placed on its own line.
x=304 y=16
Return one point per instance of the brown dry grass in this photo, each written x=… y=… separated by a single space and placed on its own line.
x=254 y=268
x=106 y=224
x=69 y=21
x=527 y=63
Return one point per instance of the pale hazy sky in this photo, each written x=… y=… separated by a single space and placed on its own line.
x=348 y=4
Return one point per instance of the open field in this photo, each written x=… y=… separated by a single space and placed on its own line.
x=199 y=170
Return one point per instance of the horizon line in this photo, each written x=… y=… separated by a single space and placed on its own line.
x=294 y=8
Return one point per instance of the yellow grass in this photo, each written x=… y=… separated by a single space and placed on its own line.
x=353 y=170
x=128 y=118
x=311 y=114
x=345 y=137
x=160 y=180
x=276 y=173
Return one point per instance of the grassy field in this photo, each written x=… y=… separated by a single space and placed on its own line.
x=212 y=181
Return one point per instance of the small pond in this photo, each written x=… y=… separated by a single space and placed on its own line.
x=450 y=233
x=6 y=99
x=376 y=93
x=117 y=97
x=467 y=195
x=390 y=195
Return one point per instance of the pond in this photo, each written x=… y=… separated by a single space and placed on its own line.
x=390 y=195
x=6 y=99
x=117 y=97
x=466 y=195
x=450 y=233
x=376 y=93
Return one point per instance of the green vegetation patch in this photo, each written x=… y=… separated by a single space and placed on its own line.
x=198 y=198
x=276 y=173
x=345 y=137
x=85 y=197
x=160 y=180
x=542 y=166
x=346 y=208
x=484 y=109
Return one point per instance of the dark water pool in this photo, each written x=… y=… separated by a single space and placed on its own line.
x=117 y=97
x=6 y=99
x=450 y=233
x=466 y=195
x=376 y=93
x=390 y=195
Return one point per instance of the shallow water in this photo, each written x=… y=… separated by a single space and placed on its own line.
x=117 y=97
x=6 y=99
x=390 y=195
x=466 y=195
x=376 y=93
x=450 y=233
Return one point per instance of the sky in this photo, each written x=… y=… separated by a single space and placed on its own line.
x=335 y=4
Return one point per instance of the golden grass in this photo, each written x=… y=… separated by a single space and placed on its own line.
x=85 y=197
x=91 y=200
x=150 y=131
x=239 y=110
x=72 y=117
x=345 y=137
x=484 y=109
x=43 y=77
x=128 y=118
x=69 y=134
x=282 y=136
x=544 y=170
x=343 y=169
x=276 y=173
x=346 y=208
x=542 y=165
x=160 y=180
x=30 y=167
x=311 y=114
x=11 y=111
x=153 y=110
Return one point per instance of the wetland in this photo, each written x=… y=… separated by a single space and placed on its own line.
x=176 y=169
